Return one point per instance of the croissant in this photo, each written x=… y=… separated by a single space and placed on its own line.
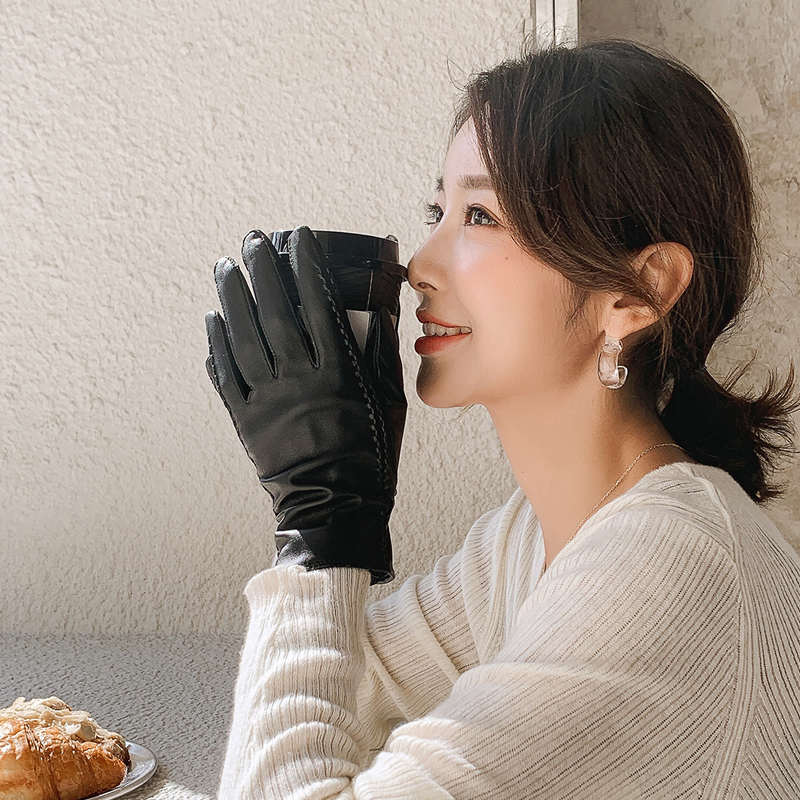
x=50 y=752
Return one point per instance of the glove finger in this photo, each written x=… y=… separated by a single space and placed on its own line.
x=323 y=307
x=246 y=338
x=383 y=348
x=279 y=319
x=230 y=382
x=211 y=371
x=383 y=351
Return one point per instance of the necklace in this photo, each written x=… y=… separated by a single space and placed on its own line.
x=653 y=447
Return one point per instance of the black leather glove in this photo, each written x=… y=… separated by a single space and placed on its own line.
x=322 y=423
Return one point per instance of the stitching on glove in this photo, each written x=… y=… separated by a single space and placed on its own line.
x=376 y=366
x=382 y=462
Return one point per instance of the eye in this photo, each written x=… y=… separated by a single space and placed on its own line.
x=470 y=210
x=433 y=212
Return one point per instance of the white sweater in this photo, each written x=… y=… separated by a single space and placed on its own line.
x=658 y=657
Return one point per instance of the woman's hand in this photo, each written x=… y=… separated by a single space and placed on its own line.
x=322 y=423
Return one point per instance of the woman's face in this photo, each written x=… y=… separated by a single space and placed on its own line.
x=471 y=274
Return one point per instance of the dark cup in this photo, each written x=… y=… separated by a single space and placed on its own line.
x=366 y=270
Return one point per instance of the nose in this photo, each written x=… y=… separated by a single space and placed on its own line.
x=423 y=275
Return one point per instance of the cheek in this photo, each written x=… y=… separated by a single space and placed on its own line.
x=520 y=343
x=515 y=303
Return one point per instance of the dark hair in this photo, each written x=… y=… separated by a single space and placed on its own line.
x=600 y=150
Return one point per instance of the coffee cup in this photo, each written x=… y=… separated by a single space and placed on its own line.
x=366 y=270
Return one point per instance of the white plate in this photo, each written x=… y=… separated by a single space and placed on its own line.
x=143 y=766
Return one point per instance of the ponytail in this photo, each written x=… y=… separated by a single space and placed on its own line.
x=731 y=431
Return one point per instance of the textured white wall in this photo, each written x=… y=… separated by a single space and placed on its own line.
x=749 y=52
x=139 y=143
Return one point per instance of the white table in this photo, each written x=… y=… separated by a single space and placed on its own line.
x=172 y=694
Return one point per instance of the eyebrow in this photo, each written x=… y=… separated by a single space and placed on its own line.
x=477 y=182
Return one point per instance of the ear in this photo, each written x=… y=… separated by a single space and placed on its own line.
x=667 y=267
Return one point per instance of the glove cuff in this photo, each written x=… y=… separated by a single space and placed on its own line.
x=351 y=538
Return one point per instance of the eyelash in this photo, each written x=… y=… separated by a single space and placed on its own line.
x=432 y=208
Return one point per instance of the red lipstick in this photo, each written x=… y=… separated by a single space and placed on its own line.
x=426 y=345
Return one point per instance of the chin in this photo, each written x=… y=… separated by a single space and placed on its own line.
x=437 y=394
x=437 y=403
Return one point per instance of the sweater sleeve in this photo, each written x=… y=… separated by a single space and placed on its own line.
x=620 y=679
x=421 y=638
x=417 y=641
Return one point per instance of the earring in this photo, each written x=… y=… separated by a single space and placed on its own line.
x=611 y=374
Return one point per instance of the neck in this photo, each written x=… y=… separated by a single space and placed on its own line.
x=566 y=455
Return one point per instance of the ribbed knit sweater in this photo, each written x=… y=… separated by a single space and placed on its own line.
x=657 y=657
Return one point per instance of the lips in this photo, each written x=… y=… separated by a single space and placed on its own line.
x=427 y=345
x=424 y=316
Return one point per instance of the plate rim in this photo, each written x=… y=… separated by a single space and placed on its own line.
x=148 y=757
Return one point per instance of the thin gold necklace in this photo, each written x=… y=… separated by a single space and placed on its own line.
x=653 y=447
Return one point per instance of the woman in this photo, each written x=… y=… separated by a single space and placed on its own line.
x=627 y=625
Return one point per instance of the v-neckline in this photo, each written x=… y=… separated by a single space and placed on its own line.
x=597 y=515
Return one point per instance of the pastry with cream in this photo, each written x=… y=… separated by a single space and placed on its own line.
x=48 y=751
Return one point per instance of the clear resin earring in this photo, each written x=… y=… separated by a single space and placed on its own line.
x=612 y=375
